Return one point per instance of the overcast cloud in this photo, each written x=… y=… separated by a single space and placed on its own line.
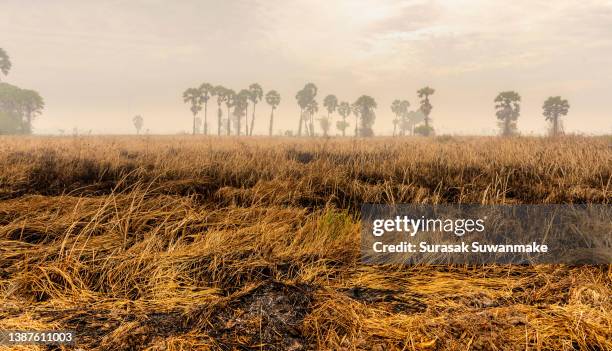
x=98 y=63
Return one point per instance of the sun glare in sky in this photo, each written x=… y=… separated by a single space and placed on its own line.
x=99 y=63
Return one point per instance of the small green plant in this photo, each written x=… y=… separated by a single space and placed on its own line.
x=335 y=223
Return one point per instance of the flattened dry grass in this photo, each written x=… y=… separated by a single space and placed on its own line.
x=179 y=243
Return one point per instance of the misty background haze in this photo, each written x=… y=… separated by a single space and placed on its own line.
x=98 y=64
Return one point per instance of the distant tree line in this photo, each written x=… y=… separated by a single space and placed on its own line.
x=229 y=121
x=236 y=108
x=233 y=108
x=18 y=107
x=407 y=122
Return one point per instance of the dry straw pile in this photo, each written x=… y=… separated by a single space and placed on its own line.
x=180 y=243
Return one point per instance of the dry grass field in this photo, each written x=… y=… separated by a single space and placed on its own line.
x=193 y=243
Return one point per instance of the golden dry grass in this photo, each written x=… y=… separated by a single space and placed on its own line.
x=180 y=243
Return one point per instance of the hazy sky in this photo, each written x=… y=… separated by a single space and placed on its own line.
x=98 y=63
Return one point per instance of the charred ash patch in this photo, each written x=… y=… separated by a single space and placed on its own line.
x=268 y=317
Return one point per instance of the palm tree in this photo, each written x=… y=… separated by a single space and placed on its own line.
x=395 y=108
x=305 y=97
x=220 y=92
x=273 y=99
x=207 y=91
x=302 y=102
x=198 y=125
x=11 y=110
x=230 y=101
x=219 y=120
x=554 y=108
x=325 y=123
x=355 y=111
x=410 y=119
x=255 y=97
x=311 y=109
x=138 y=123
x=403 y=112
x=508 y=106
x=331 y=103
x=5 y=62
x=426 y=107
x=344 y=109
x=240 y=109
x=395 y=122
x=365 y=106
x=193 y=96
x=31 y=105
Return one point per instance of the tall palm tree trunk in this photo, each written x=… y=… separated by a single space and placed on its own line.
x=227 y=132
x=206 y=119
x=246 y=119
x=555 y=125
x=312 y=134
x=427 y=115
x=271 y=121
x=194 y=118
x=253 y=119
x=219 y=113
x=301 y=119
